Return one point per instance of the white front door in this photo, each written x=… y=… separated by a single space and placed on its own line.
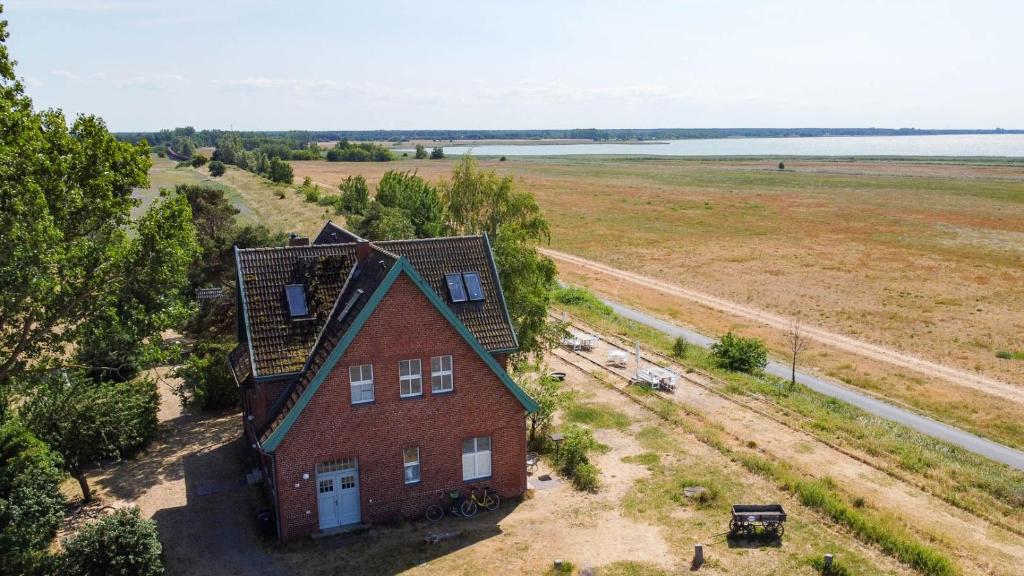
x=338 y=498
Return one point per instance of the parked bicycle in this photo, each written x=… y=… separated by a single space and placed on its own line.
x=488 y=500
x=450 y=503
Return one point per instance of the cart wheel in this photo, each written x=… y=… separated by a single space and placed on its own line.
x=733 y=528
x=780 y=530
x=750 y=530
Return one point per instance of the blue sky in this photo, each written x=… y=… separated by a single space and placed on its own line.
x=435 y=64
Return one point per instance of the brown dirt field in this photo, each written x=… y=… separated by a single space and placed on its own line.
x=980 y=547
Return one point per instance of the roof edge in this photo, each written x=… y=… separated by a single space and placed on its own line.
x=245 y=313
x=501 y=291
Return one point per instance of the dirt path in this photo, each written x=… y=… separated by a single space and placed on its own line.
x=977 y=543
x=955 y=376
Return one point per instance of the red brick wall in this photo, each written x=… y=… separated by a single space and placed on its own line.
x=404 y=326
x=261 y=396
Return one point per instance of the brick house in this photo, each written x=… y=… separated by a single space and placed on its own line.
x=373 y=376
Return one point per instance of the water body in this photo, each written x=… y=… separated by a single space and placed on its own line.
x=1000 y=145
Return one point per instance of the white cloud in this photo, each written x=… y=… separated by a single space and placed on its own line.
x=65 y=74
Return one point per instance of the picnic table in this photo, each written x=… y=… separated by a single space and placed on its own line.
x=618 y=358
x=658 y=378
x=577 y=341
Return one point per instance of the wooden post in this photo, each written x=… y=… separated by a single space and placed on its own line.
x=698 y=555
x=826 y=565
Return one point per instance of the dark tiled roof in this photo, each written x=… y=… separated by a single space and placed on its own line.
x=281 y=345
x=334 y=234
x=241 y=365
x=278 y=343
x=364 y=282
x=433 y=258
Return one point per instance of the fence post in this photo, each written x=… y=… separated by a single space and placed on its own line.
x=698 y=555
x=826 y=565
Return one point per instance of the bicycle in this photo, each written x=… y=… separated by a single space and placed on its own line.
x=488 y=501
x=452 y=502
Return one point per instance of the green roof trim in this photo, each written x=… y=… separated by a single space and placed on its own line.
x=401 y=265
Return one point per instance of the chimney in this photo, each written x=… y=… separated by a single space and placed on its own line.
x=296 y=240
x=362 y=251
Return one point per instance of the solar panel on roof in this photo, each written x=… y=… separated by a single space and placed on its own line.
x=473 y=287
x=456 y=289
x=296 y=294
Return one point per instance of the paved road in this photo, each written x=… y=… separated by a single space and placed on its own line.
x=868 y=403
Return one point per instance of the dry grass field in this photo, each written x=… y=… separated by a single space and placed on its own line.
x=923 y=257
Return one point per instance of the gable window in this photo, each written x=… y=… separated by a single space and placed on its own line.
x=296 y=294
x=456 y=289
x=410 y=378
x=473 y=288
x=411 y=460
x=361 y=378
x=476 y=458
x=441 y=374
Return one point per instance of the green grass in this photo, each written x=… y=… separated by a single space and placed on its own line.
x=631 y=568
x=597 y=415
x=961 y=478
x=882 y=531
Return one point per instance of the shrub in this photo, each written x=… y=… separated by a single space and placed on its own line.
x=355 y=195
x=122 y=543
x=740 y=354
x=217 y=168
x=502 y=159
x=437 y=153
x=198 y=161
x=31 y=504
x=280 y=194
x=836 y=569
x=207 y=383
x=586 y=478
x=575 y=296
x=421 y=152
x=679 y=347
x=311 y=194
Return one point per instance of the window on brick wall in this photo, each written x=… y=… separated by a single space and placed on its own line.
x=411 y=459
x=361 y=378
x=441 y=374
x=410 y=378
x=476 y=458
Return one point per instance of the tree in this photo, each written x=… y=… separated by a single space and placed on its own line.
x=482 y=202
x=679 y=347
x=797 y=344
x=355 y=195
x=198 y=161
x=421 y=152
x=437 y=153
x=146 y=297
x=207 y=383
x=550 y=397
x=65 y=202
x=280 y=171
x=121 y=543
x=217 y=168
x=409 y=192
x=740 y=354
x=31 y=503
x=85 y=421
x=782 y=165
x=385 y=223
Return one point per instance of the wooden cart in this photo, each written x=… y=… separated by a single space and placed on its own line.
x=747 y=517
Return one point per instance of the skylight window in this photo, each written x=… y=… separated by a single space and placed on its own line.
x=473 y=288
x=296 y=294
x=456 y=289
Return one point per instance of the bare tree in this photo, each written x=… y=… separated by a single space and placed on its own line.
x=797 y=344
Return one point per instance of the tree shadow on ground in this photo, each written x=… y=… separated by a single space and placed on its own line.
x=178 y=439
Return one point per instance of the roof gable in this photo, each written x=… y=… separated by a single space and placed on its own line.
x=317 y=374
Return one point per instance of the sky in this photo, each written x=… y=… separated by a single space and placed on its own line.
x=435 y=64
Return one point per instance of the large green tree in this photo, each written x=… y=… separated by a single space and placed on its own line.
x=65 y=220
x=414 y=195
x=85 y=421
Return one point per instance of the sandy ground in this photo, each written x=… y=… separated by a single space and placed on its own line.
x=985 y=548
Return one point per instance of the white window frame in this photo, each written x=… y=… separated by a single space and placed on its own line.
x=476 y=463
x=407 y=465
x=359 y=385
x=414 y=379
x=438 y=377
